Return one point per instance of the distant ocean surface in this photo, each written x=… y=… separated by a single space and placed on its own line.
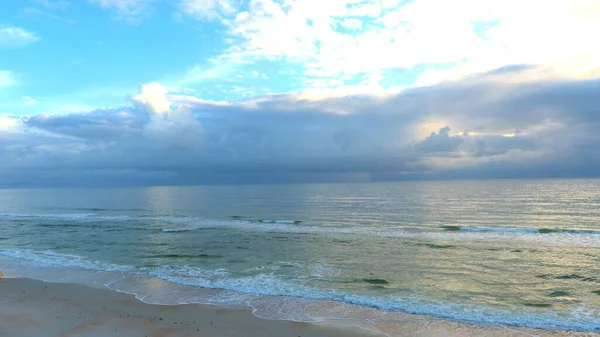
x=499 y=252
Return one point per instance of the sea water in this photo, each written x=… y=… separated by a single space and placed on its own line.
x=500 y=252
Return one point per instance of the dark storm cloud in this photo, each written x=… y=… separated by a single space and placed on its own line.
x=495 y=145
x=440 y=142
x=484 y=126
x=99 y=124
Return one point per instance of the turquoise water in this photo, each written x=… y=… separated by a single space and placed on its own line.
x=511 y=252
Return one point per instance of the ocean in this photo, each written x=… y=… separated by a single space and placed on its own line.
x=497 y=252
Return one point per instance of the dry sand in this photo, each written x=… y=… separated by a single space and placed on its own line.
x=30 y=308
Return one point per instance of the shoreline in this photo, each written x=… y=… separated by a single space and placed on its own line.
x=32 y=308
x=39 y=308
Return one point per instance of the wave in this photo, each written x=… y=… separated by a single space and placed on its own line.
x=184 y=256
x=520 y=230
x=65 y=216
x=267 y=283
x=176 y=230
x=93 y=209
x=292 y=225
x=52 y=258
x=58 y=216
x=435 y=238
x=575 y=277
x=289 y=222
x=432 y=236
x=297 y=226
x=193 y=223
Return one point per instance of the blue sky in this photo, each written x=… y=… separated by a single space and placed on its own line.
x=113 y=67
x=84 y=55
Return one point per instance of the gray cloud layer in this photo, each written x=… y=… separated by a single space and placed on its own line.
x=484 y=126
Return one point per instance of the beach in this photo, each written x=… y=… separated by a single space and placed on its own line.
x=31 y=308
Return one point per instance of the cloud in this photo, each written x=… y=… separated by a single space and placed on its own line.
x=168 y=127
x=131 y=11
x=37 y=12
x=440 y=142
x=7 y=79
x=215 y=69
x=53 y=4
x=102 y=125
x=7 y=122
x=208 y=9
x=153 y=98
x=507 y=129
x=351 y=23
x=29 y=100
x=13 y=36
x=494 y=145
x=355 y=43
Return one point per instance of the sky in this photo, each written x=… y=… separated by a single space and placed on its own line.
x=161 y=92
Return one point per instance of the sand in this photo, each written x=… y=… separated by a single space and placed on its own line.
x=30 y=308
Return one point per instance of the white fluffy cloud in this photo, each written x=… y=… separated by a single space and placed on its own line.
x=7 y=122
x=13 y=36
x=337 y=38
x=168 y=127
x=208 y=9
x=153 y=97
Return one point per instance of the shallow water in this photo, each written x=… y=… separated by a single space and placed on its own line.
x=512 y=252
